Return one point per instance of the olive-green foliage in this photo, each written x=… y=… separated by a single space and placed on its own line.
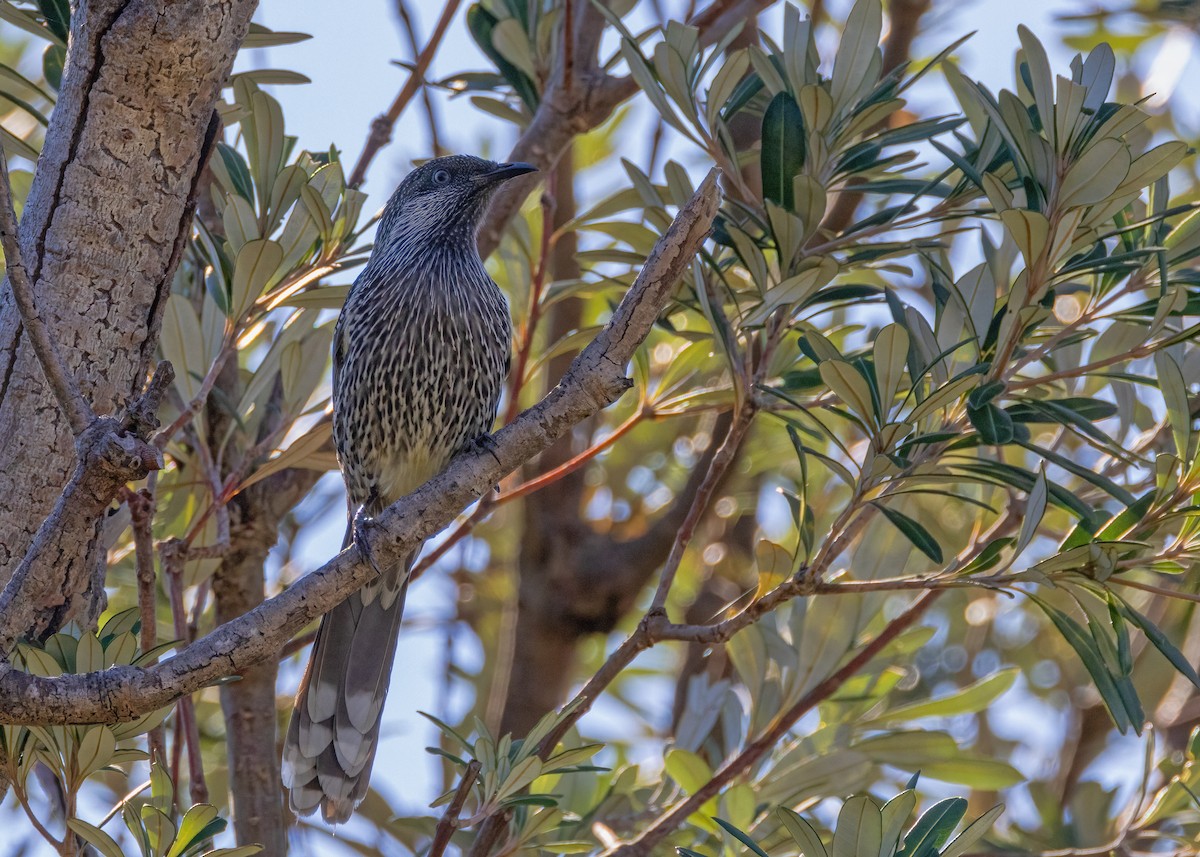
x=983 y=383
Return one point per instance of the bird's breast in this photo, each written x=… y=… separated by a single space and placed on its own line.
x=420 y=375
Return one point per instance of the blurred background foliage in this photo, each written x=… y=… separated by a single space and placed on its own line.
x=948 y=358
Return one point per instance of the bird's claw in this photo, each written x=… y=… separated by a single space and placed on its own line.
x=358 y=532
x=484 y=443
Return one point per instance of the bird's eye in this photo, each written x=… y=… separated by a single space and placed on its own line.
x=441 y=177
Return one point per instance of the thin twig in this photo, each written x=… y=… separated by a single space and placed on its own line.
x=22 y=798
x=206 y=385
x=536 y=285
x=141 y=513
x=112 y=813
x=460 y=532
x=716 y=474
x=79 y=415
x=381 y=126
x=174 y=553
x=410 y=30
x=575 y=462
x=487 y=504
x=448 y=823
x=1157 y=590
x=665 y=824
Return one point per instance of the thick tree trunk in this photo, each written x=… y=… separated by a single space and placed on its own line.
x=106 y=219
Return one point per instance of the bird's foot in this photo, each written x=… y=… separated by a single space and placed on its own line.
x=359 y=527
x=483 y=443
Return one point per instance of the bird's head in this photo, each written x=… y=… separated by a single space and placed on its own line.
x=444 y=199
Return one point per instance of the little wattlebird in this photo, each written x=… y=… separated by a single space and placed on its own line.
x=420 y=354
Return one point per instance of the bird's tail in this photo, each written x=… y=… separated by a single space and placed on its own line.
x=334 y=732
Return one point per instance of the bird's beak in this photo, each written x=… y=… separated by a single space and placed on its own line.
x=504 y=172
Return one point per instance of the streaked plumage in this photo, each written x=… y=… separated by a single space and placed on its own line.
x=420 y=354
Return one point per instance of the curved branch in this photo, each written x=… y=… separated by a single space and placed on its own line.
x=595 y=380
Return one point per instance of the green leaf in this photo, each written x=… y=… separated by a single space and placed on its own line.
x=687 y=769
x=1035 y=510
x=95 y=750
x=993 y=423
x=859 y=828
x=974 y=772
x=1092 y=660
x=54 y=60
x=972 y=698
x=914 y=532
x=58 y=16
x=257 y=263
x=1174 y=391
x=890 y=351
x=933 y=828
x=1097 y=174
x=271 y=76
x=1041 y=78
x=89 y=655
x=1159 y=640
x=1030 y=230
x=850 y=385
x=261 y=37
x=159 y=827
x=943 y=396
x=975 y=831
x=802 y=833
x=895 y=815
x=236 y=170
x=447 y=729
x=783 y=149
x=741 y=837
x=193 y=828
x=856 y=52
x=481 y=23
x=95 y=837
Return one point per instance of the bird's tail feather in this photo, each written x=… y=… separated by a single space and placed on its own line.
x=334 y=731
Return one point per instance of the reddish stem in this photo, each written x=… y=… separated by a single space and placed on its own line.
x=536 y=286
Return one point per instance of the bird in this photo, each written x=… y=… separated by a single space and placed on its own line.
x=421 y=351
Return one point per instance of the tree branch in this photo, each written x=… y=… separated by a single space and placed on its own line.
x=381 y=126
x=580 y=98
x=714 y=475
x=596 y=379
x=112 y=452
x=735 y=767
x=76 y=410
x=449 y=820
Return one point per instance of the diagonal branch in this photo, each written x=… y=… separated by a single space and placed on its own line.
x=595 y=380
x=664 y=825
x=76 y=410
x=381 y=127
x=580 y=98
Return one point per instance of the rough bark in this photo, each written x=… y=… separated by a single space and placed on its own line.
x=105 y=221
